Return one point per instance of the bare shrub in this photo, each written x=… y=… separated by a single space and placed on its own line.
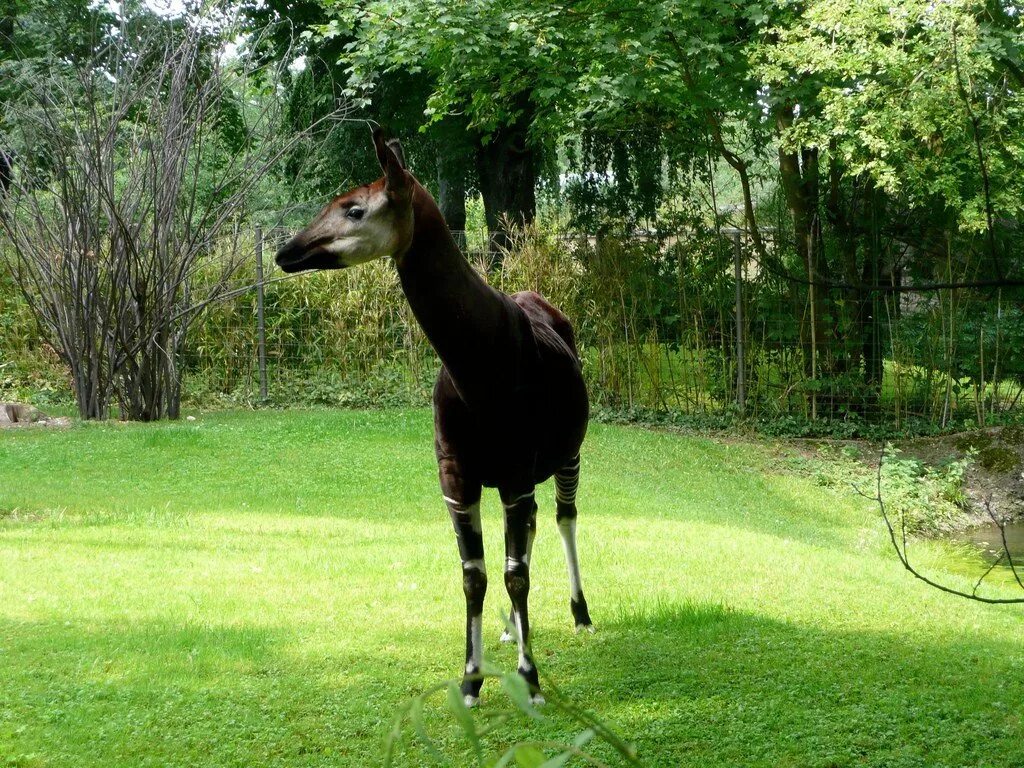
x=131 y=169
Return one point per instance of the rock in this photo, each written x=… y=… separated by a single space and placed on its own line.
x=18 y=413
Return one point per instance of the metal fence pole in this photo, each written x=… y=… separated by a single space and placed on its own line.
x=741 y=367
x=261 y=327
x=811 y=277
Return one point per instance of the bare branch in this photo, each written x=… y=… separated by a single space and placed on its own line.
x=901 y=551
x=128 y=184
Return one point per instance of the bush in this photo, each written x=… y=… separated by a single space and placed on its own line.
x=928 y=500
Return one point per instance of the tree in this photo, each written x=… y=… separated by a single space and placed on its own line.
x=132 y=165
x=283 y=28
x=913 y=111
x=892 y=125
x=914 y=96
x=494 y=71
x=32 y=33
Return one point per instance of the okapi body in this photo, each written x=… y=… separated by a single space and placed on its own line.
x=510 y=404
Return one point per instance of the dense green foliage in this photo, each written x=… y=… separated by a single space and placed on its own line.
x=878 y=141
x=270 y=588
x=868 y=152
x=656 y=342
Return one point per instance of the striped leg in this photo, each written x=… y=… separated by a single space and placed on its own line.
x=463 y=500
x=567 y=481
x=520 y=507
x=506 y=635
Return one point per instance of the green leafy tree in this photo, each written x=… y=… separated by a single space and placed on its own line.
x=496 y=76
x=320 y=79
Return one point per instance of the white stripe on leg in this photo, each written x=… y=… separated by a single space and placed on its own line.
x=567 y=528
x=473 y=665
x=476 y=636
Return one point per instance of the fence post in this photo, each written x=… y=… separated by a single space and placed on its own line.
x=811 y=277
x=261 y=327
x=741 y=367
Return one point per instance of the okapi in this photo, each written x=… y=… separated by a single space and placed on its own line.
x=510 y=404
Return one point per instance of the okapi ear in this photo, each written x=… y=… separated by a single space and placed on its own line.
x=381 y=145
x=395 y=146
x=389 y=155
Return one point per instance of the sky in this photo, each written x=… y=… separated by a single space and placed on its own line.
x=176 y=8
x=166 y=7
x=163 y=7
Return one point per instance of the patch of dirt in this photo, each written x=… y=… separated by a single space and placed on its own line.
x=19 y=416
x=56 y=421
x=997 y=471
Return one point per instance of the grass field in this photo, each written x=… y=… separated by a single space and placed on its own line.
x=267 y=589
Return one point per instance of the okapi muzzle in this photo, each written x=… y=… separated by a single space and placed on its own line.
x=367 y=223
x=297 y=256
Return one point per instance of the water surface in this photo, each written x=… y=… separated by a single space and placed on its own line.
x=988 y=540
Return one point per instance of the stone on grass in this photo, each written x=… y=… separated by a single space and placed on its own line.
x=19 y=413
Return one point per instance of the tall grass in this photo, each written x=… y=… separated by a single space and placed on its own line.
x=654 y=322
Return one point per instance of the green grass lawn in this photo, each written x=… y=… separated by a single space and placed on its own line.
x=267 y=589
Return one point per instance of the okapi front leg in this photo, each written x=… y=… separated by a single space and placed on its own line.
x=463 y=500
x=567 y=481
x=519 y=509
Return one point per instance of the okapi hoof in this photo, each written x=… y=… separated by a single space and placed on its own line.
x=537 y=699
x=580 y=613
x=470 y=688
x=586 y=628
x=506 y=637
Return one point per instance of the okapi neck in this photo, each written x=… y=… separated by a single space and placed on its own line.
x=462 y=317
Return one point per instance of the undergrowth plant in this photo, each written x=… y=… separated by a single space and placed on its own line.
x=475 y=726
x=30 y=370
x=653 y=322
x=926 y=499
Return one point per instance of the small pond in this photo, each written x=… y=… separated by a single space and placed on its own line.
x=988 y=540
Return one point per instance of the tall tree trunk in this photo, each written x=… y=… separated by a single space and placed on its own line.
x=451 y=198
x=874 y=272
x=871 y=326
x=507 y=167
x=799 y=175
x=850 y=313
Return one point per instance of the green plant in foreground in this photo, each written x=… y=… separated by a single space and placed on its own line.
x=524 y=754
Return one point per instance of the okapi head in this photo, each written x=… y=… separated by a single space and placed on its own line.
x=364 y=224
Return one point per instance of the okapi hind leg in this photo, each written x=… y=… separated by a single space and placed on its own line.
x=567 y=481
x=463 y=500
x=507 y=636
x=519 y=508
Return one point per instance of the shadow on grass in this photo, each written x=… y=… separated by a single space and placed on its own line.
x=164 y=694
x=690 y=685
x=702 y=685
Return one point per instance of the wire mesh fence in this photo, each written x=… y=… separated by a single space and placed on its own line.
x=689 y=324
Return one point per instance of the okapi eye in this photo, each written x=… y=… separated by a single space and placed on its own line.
x=355 y=213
